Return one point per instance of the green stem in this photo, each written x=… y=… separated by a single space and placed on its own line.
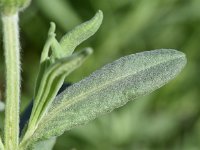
x=12 y=61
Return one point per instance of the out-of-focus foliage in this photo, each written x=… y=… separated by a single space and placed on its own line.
x=167 y=119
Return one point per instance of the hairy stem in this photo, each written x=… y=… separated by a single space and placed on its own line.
x=12 y=61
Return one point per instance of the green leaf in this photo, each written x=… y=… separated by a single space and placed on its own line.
x=67 y=45
x=109 y=88
x=53 y=79
x=80 y=33
x=45 y=60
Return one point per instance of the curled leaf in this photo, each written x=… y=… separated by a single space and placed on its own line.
x=80 y=33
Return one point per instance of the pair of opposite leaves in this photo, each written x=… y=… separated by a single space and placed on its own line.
x=104 y=90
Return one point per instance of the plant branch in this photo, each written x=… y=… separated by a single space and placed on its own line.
x=12 y=61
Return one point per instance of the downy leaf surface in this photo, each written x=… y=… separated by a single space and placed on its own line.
x=80 y=33
x=53 y=80
x=108 y=88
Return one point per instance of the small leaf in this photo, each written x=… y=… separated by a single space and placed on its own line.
x=53 y=79
x=80 y=33
x=109 y=88
x=48 y=44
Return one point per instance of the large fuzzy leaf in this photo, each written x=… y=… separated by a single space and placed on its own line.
x=108 y=88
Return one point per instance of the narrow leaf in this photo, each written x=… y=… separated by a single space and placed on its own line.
x=53 y=80
x=45 y=60
x=109 y=88
x=80 y=33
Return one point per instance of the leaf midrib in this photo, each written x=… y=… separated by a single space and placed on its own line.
x=54 y=112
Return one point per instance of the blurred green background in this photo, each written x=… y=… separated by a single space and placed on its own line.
x=169 y=118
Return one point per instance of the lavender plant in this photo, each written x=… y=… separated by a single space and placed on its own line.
x=104 y=90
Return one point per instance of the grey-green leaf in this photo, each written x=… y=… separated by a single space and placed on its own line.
x=53 y=79
x=108 y=88
x=80 y=33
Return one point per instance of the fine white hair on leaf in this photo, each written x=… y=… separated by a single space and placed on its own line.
x=108 y=88
x=81 y=33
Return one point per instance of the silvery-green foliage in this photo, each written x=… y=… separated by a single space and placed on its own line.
x=76 y=36
x=55 y=67
x=56 y=63
x=104 y=90
x=54 y=78
x=108 y=88
x=81 y=33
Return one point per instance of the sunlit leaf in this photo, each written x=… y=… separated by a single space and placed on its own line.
x=109 y=88
x=81 y=33
x=53 y=79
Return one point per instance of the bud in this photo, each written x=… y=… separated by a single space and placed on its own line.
x=12 y=6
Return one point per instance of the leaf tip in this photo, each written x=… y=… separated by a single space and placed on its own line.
x=52 y=28
x=100 y=14
x=97 y=20
x=181 y=56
